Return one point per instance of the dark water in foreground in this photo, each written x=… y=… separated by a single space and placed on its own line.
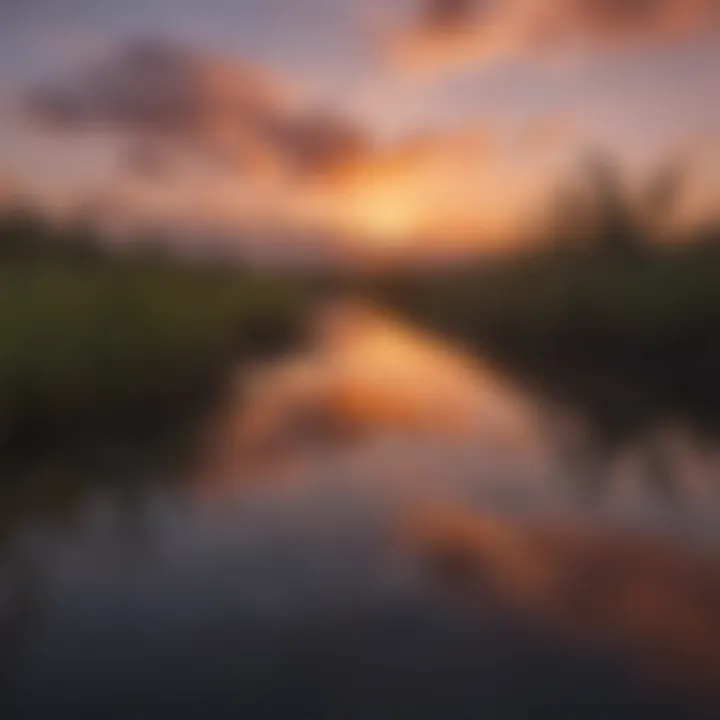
x=380 y=528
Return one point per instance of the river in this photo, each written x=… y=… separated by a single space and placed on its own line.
x=378 y=525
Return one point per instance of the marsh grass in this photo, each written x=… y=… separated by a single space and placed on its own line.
x=91 y=339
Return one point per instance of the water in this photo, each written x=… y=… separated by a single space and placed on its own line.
x=378 y=526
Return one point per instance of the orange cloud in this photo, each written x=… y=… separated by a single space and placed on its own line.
x=224 y=145
x=447 y=34
x=170 y=104
x=442 y=186
x=441 y=192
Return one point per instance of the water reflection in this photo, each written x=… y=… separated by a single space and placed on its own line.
x=651 y=602
x=368 y=372
x=372 y=397
x=308 y=565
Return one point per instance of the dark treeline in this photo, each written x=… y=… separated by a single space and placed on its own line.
x=609 y=311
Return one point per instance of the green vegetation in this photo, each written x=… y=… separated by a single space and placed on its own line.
x=93 y=339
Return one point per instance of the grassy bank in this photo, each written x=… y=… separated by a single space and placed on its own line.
x=629 y=337
x=90 y=339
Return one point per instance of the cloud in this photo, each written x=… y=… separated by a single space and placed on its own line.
x=226 y=143
x=446 y=34
x=467 y=186
x=173 y=105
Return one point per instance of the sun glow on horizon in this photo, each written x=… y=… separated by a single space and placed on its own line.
x=386 y=221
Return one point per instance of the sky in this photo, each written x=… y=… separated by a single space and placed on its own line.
x=336 y=124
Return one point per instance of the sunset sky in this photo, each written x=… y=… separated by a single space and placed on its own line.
x=337 y=122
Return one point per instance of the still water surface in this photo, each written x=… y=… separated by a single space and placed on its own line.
x=378 y=526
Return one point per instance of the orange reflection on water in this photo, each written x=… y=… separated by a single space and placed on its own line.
x=396 y=401
x=649 y=600
x=369 y=371
x=368 y=374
